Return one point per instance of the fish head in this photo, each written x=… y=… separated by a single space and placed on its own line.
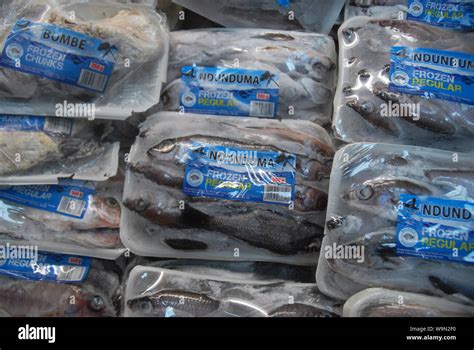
x=382 y=193
x=142 y=305
x=108 y=211
x=310 y=199
x=87 y=305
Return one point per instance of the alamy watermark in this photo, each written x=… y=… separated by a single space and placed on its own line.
x=75 y=110
x=12 y=251
x=346 y=252
x=400 y=110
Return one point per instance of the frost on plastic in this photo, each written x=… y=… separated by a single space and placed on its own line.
x=220 y=223
x=42 y=150
x=96 y=234
x=366 y=184
x=378 y=8
x=132 y=36
x=304 y=63
x=312 y=15
x=379 y=302
x=363 y=95
x=166 y=293
x=98 y=296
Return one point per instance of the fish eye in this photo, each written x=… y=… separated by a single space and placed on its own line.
x=165 y=146
x=111 y=202
x=364 y=192
x=141 y=204
x=96 y=303
x=145 y=306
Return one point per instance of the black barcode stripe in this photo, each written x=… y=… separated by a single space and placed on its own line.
x=71 y=206
x=262 y=109
x=92 y=80
x=71 y=273
x=58 y=125
x=277 y=194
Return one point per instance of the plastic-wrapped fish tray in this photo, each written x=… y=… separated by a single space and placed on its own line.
x=269 y=206
x=113 y=56
x=365 y=107
x=165 y=293
x=366 y=200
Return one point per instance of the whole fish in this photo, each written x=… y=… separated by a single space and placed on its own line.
x=304 y=63
x=277 y=229
x=160 y=292
x=192 y=304
x=169 y=218
x=363 y=99
x=98 y=228
x=21 y=298
x=379 y=302
x=364 y=201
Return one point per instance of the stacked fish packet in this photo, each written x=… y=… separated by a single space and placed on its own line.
x=399 y=231
x=457 y=15
x=221 y=292
x=233 y=172
x=62 y=63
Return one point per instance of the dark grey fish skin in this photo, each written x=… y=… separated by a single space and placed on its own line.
x=194 y=304
x=300 y=310
x=266 y=229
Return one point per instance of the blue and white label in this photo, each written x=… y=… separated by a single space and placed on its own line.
x=432 y=73
x=240 y=174
x=34 y=123
x=452 y=14
x=60 y=54
x=70 y=197
x=229 y=91
x=435 y=228
x=47 y=267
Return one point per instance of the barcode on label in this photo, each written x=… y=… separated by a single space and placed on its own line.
x=277 y=194
x=92 y=80
x=262 y=109
x=71 y=206
x=71 y=273
x=58 y=125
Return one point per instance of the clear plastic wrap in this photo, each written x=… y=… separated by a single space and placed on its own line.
x=304 y=65
x=377 y=8
x=379 y=302
x=367 y=183
x=312 y=15
x=255 y=271
x=129 y=42
x=165 y=293
x=270 y=208
x=91 y=230
x=456 y=15
x=40 y=150
x=366 y=110
x=98 y=296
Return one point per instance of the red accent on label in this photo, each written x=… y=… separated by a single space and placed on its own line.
x=97 y=67
x=262 y=96
x=74 y=260
x=75 y=193
x=278 y=180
